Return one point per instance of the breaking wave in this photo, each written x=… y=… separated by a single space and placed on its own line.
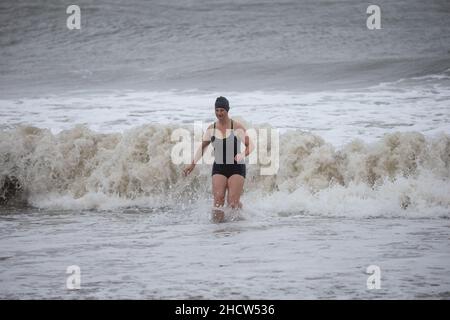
x=404 y=174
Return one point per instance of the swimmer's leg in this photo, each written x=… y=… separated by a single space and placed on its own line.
x=219 y=187
x=235 y=188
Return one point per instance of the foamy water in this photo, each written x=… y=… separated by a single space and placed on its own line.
x=79 y=168
x=97 y=196
x=339 y=116
x=178 y=254
x=86 y=176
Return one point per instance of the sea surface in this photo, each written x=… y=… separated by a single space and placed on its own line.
x=362 y=125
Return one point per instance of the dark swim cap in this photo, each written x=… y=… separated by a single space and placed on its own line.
x=222 y=102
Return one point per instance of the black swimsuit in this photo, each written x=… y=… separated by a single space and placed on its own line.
x=224 y=163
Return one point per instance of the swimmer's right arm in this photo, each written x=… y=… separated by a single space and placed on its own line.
x=206 y=141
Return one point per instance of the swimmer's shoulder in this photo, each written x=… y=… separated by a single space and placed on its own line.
x=238 y=125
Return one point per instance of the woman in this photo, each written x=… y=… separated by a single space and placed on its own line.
x=228 y=172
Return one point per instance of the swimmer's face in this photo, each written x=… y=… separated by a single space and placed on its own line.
x=221 y=113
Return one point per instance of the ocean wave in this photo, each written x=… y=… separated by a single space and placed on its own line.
x=400 y=174
x=240 y=45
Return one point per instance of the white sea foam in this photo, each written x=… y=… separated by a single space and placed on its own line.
x=401 y=174
x=416 y=104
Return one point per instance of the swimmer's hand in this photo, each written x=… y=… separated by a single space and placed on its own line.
x=188 y=169
x=239 y=157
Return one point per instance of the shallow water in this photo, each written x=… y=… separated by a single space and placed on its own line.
x=159 y=253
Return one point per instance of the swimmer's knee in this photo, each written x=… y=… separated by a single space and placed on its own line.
x=234 y=203
x=232 y=197
x=219 y=200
